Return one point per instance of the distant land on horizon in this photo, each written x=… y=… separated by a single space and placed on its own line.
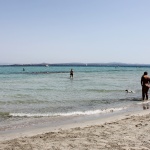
x=82 y=64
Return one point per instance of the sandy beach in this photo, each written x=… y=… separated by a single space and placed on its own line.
x=123 y=132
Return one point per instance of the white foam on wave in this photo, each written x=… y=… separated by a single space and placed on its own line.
x=92 y=112
x=144 y=102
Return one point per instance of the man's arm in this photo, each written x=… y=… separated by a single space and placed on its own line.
x=142 y=81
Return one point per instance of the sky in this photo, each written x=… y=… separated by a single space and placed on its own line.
x=67 y=31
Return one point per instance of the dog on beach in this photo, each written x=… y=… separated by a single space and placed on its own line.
x=128 y=91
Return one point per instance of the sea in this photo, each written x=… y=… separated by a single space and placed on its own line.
x=48 y=93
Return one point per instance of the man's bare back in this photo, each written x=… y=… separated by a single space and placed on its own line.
x=145 y=80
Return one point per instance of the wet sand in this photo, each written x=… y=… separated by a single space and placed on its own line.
x=121 y=132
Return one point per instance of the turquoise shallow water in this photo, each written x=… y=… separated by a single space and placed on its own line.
x=49 y=91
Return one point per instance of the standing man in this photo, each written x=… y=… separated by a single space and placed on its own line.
x=145 y=80
x=71 y=73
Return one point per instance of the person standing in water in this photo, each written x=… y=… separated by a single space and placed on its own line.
x=71 y=73
x=145 y=80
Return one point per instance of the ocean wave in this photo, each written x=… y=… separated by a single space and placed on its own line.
x=129 y=99
x=35 y=73
x=91 y=112
x=103 y=90
x=46 y=72
x=24 y=102
x=4 y=114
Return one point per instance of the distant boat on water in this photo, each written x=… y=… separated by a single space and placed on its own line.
x=46 y=65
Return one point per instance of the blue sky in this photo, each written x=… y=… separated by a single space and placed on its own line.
x=65 y=31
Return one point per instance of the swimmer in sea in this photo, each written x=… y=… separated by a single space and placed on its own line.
x=71 y=73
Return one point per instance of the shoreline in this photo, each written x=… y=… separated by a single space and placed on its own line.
x=134 y=119
x=36 y=125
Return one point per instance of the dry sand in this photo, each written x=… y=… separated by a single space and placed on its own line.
x=128 y=132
